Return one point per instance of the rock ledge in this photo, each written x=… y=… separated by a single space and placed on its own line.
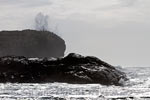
x=73 y=68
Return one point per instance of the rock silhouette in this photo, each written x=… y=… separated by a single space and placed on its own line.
x=73 y=68
x=31 y=43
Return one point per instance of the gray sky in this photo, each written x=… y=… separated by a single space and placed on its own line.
x=116 y=31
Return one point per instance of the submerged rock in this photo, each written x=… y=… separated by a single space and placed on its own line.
x=31 y=43
x=73 y=68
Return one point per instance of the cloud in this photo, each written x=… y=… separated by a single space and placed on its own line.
x=25 y=3
x=127 y=3
x=87 y=10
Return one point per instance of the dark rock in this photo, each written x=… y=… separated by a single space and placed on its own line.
x=31 y=43
x=73 y=68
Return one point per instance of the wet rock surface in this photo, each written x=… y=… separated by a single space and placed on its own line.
x=73 y=68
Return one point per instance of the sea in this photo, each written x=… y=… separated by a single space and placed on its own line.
x=136 y=88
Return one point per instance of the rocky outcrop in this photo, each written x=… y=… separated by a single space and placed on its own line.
x=73 y=68
x=31 y=43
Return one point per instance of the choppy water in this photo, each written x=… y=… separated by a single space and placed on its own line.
x=137 y=88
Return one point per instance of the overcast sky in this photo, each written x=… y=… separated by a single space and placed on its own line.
x=116 y=31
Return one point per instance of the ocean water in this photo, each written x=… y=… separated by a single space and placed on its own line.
x=136 y=88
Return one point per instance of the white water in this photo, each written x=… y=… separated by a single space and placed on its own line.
x=137 y=88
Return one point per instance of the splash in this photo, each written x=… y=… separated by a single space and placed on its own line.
x=41 y=22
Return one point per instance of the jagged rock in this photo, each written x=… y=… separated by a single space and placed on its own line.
x=73 y=68
x=31 y=43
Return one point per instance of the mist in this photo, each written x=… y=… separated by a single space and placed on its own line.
x=116 y=31
x=41 y=22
